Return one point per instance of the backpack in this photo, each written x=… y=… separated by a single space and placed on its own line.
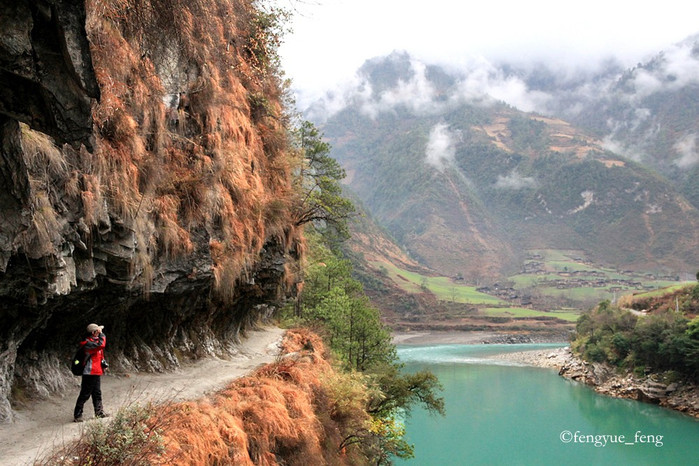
x=77 y=364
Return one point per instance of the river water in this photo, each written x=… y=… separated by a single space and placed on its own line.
x=503 y=413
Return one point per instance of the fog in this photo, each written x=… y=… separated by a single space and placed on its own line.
x=687 y=148
x=440 y=147
x=330 y=39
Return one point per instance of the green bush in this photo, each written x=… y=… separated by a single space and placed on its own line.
x=662 y=341
x=621 y=345
x=695 y=293
x=595 y=353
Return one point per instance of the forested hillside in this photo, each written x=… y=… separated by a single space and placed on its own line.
x=648 y=113
x=467 y=183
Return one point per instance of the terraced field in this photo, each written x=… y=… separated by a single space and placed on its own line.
x=568 y=278
x=554 y=286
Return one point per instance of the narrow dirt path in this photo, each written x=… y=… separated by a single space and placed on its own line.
x=48 y=423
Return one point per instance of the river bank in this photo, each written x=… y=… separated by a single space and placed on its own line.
x=682 y=396
x=420 y=338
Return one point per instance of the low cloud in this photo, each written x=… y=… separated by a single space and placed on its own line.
x=539 y=88
x=482 y=82
x=476 y=81
x=440 y=148
x=687 y=148
x=320 y=108
x=417 y=95
x=675 y=68
x=635 y=153
x=515 y=181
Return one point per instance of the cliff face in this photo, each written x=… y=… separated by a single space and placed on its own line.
x=144 y=182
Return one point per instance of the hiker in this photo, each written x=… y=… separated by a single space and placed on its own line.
x=94 y=368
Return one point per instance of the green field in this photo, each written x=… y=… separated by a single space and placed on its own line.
x=664 y=291
x=579 y=279
x=554 y=279
x=569 y=316
x=442 y=287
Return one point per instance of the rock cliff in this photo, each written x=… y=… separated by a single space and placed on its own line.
x=145 y=183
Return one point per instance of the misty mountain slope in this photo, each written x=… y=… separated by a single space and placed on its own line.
x=467 y=183
x=372 y=250
x=649 y=113
x=435 y=214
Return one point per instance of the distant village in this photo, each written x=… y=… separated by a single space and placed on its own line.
x=569 y=279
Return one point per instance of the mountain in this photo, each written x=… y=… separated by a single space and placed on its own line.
x=371 y=249
x=649 y=113
x=467 y=183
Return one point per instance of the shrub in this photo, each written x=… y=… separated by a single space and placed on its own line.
x=133 y=438
x=594 y=352
x=661 y=341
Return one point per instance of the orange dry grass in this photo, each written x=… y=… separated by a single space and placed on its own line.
x=302 y=339
x=200 y=433
x=278 y=415
x=297 y=411
x=179 y=145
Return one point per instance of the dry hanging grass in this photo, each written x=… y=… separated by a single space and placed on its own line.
x=190 y=131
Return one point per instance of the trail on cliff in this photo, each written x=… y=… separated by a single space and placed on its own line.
x=47 y=424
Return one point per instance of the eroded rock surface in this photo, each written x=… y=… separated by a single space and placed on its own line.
x=681 y=395
x=46 y=75
x=144 y=221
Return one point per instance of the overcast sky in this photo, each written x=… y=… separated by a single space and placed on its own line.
x=332 y=38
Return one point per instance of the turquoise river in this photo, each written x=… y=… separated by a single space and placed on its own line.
x=503 y=413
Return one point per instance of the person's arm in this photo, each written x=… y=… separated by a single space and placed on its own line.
x=93 y=344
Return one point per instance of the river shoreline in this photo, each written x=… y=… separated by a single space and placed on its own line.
x=419 y=338
x=682 y=396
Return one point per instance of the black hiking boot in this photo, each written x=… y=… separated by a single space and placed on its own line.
x=77 y=419
x=101 y=415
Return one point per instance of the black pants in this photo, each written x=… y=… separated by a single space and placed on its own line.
x=90 y=387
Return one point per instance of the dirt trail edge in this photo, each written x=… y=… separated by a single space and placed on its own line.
x=48 y=423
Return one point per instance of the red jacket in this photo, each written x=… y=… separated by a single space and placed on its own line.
x=94 y=351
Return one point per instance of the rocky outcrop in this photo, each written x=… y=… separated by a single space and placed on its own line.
x=682 y=396
x=46 y=74
x=164 y=219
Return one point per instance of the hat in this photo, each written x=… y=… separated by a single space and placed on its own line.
x=93 y=327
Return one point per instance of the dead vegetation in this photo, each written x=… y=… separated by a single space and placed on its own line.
x=295 y=411
x=181 y=141
x=298 y=410
x=190 y=138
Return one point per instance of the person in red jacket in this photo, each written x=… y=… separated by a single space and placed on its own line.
x=91 y=386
